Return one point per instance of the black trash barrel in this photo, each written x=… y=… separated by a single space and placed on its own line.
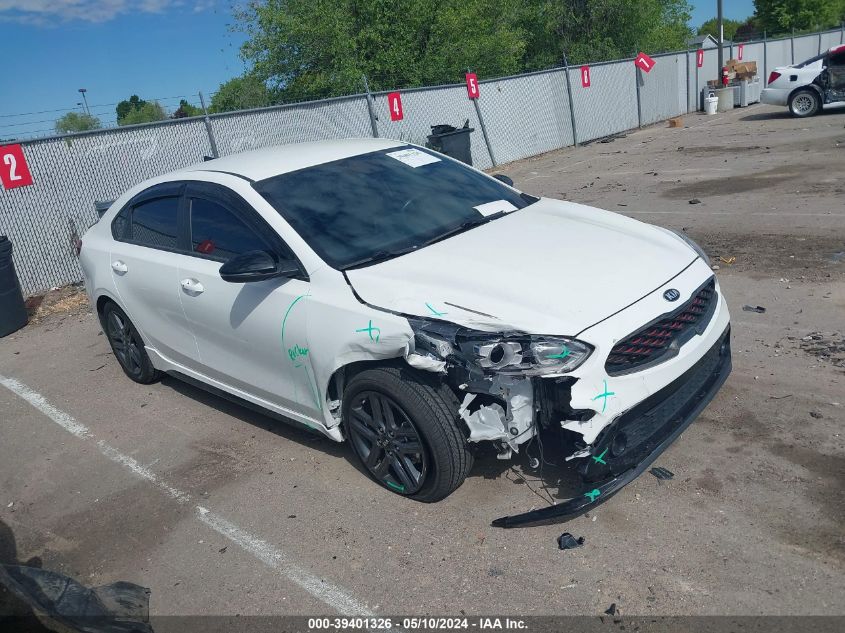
x=12 y=308
x=452 y=141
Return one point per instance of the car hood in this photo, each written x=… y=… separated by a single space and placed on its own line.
x=551 y=268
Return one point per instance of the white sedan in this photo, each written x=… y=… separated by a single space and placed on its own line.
x=381 y=293
x=806 y=87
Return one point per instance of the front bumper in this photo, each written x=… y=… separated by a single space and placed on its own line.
x=643 y=433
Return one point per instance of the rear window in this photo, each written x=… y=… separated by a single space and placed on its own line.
x=812 y=60
x=389 y=200
x=154 y=223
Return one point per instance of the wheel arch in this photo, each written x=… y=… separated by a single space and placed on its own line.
x=806 y=87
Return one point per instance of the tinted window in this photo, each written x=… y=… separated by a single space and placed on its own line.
x=154 y=223
x=217 y=232
x=353 y=209
x=120 y=225
x=837 y=60
x=812 y=60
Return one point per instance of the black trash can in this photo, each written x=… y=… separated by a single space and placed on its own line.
x=12 y=308
x=452 y=141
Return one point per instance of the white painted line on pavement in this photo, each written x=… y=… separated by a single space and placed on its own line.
x=334 y=596
x=267 y=554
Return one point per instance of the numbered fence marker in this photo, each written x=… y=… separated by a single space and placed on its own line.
x=472 y=86
x=699 y=57
x=739 y=51
x=644 y=62
x=585 y=76
x=394 y=104
x=14 y=172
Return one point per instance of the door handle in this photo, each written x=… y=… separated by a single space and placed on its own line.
x=192 y=286
x=119 y=267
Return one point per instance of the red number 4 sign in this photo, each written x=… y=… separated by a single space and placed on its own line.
x=394 y=104
x=13 y=169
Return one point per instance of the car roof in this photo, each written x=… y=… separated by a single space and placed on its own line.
x=271 y=161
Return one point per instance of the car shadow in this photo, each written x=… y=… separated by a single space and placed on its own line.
x=15 y=612
x=278 y=425
x=552 y=480
x=784 y=114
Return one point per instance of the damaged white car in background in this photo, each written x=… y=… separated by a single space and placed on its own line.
x=386 y=295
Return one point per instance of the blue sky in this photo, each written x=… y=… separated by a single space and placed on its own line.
x=158 y=49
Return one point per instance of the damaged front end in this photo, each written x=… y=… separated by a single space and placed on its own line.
x=515 y=387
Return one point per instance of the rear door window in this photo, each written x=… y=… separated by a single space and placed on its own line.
x=218 y=233
x=154 y=223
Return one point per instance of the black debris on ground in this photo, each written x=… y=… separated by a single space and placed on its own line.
x=759 y=309
x=662 y=473
x=567 y=541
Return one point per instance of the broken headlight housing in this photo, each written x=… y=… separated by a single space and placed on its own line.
x=528 y=356
x=521 y=355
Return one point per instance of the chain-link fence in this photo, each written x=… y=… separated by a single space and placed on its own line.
x=524 y=115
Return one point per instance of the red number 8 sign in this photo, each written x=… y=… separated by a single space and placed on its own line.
x=13 y=168
x=394 y=104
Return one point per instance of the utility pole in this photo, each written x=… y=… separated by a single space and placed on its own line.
x=85 y=100
x=721 y=41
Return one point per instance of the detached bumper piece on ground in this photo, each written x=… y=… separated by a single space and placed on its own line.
x=644 y=432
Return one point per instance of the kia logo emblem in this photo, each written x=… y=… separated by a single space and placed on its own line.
x=671 y=295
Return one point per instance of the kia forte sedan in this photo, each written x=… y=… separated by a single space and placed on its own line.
x=388 y=296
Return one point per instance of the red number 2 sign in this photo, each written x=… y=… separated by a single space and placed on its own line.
x=394 y=104
x=13 y=168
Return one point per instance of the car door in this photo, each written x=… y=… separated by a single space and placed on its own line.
x=836 y=76
x=251 y=336
x=144 y=260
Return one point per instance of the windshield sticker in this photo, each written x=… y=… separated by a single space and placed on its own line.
x=497 y=206
x=413 y=157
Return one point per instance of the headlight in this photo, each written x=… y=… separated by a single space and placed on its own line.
x=531 y=356
x=692 y=245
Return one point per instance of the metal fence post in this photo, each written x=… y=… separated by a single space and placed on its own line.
x=820 y=44
x=370 y=108
x=571 y=102
x=765 y=56
x=792 y=45
x=637 y=79
x=483 y=128
x=842 y=32
x=688 y=93
x=697 y=89
x=208 y=129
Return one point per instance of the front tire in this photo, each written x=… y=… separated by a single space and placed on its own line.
x=127 y=345
x=804 y=103
x=403 y=429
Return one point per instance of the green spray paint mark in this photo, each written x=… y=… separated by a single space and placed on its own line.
x=562 y=355
x=396 y=486
x=600 y=458
x=595 y=492
x=296 y=353
x=370 y=330
x=433 y=311
x=604 y=397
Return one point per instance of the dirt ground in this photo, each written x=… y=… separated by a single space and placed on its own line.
x=272 y=520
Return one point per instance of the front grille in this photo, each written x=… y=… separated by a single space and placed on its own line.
x=662 y=339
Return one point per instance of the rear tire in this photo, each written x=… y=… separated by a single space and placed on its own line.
x=127 y=345
x=804 y=103
x=403 y=430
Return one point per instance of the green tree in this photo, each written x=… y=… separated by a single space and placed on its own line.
x=185 y=110
x=781 y=16
x=241 y=93
x=147 y=113
x=307 y=49
x=711 y=27
x=127 y=105
x=77 y=122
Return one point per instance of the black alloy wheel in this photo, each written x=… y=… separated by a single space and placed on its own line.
x=388 y=443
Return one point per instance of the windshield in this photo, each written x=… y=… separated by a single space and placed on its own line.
x=378 y=205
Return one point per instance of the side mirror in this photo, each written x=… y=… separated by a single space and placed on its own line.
x=505 y=179
x=256 y=266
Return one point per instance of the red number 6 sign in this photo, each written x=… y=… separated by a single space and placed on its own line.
x=13 y=169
